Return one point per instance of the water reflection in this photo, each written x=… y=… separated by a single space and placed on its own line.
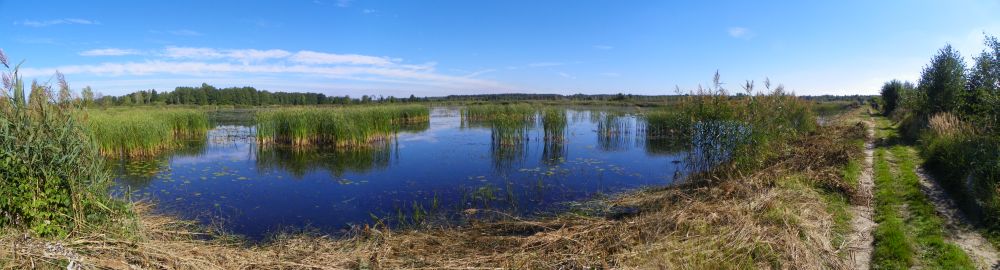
x=336 y=161
x=445 y=169
x=615 y=130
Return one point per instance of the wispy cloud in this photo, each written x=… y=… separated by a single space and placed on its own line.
x=740 y=32
x=344 y=3
x=33 y=23
x=254 y=63
x=244 y=56
x=369 y=11
x=109 y=52
x=611 y=74
x=480 y=72
x=603 y=47
x=566 y=75
x=311 y=57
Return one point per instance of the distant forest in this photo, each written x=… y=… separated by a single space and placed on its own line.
x=249 y=96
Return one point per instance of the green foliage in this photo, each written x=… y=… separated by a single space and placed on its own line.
x=53 y=179
x=944 y=81
x=891 y=94
x=340 y=126
x=964 y=154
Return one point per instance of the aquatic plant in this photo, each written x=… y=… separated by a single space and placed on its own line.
x=554 y=124
x=337 y=126
x=144 y=132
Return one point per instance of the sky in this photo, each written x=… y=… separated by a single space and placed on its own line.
x=442 y=47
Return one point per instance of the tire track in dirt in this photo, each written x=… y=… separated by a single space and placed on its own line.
x=860 y=243
x=958 y=229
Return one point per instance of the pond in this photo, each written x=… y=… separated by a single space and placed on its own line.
x=439 y=169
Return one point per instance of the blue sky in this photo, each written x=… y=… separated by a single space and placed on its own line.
x=431 y=48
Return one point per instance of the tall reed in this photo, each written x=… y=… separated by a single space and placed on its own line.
x=144 y=132
x=340 y=127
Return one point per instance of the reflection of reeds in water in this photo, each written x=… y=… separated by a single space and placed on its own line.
x=615 y=131
x=509 y=125
x=336 y=161
x=507 y=154
x=715 y=142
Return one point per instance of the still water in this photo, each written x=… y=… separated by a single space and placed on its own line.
x=438 y=169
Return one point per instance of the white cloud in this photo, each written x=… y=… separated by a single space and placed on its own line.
x=611 y=74
x=253 y=63
x=109 y=52
x=311 y=57
x=603 y=47
x=369 y=11
x=740 y=32
x=57 y=22
x=344 y=3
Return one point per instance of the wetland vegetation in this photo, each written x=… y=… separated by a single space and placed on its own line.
x=537 y=186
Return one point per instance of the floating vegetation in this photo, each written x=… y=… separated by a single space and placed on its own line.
x=144 y=132
x=338 y=127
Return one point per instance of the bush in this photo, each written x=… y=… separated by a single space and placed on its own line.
x=52 y=179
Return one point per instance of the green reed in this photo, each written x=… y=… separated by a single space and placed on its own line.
x=144 y=132
x=341 y=126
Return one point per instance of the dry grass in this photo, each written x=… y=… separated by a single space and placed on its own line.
x=947 y=125
x=774 y=218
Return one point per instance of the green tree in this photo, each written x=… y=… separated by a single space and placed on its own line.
x=944 y=81
x=892 y=92
x=88 y=96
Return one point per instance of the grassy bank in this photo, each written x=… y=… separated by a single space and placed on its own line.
x=144 y=132
x=337 y=126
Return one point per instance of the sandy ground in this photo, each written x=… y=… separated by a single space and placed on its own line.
x=860 y=243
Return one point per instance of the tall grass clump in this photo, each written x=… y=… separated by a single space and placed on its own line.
x=509 y=123
x=554 y=123
x=145 y=132
x=52 y=179
x=339 y=127
x=750 y=128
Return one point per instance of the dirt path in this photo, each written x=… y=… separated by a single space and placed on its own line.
x=958 y=230
x=860 y=242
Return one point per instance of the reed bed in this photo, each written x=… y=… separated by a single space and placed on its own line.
x=509 y=123
x=338 y=127
x=144 y=132
x=554 y=124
